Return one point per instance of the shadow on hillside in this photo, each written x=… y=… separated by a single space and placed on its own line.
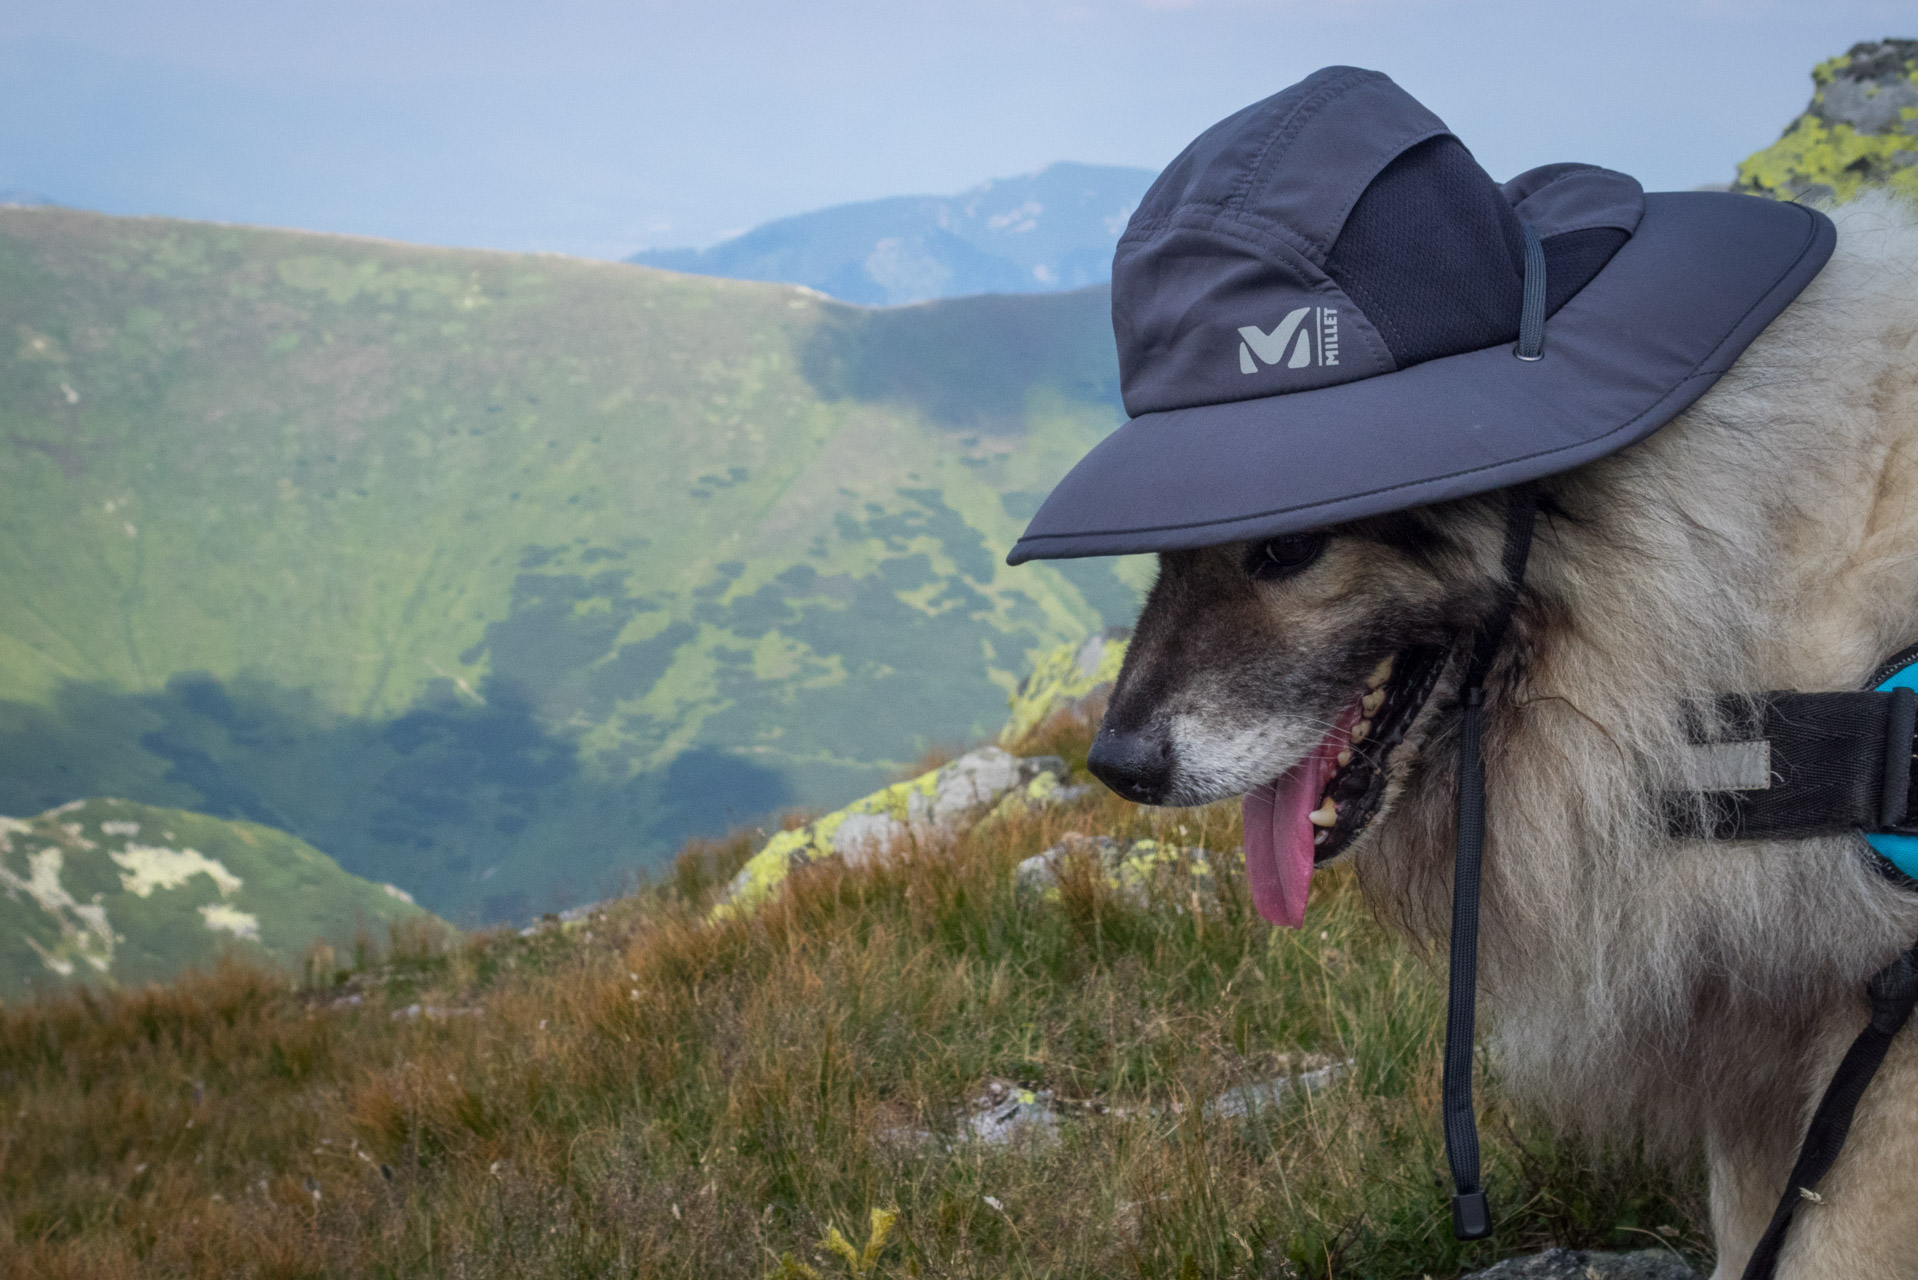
x=475 y=807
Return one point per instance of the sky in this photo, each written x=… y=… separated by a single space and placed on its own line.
x=601 y=127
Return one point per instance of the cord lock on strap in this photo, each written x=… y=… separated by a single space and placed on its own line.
x=1471 y=1216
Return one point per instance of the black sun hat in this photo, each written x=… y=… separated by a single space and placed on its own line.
x=1325 y=309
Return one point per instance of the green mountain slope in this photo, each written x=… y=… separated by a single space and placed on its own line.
x=495 y=576
x=108 y=891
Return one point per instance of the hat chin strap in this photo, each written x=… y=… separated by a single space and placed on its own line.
x=1471 y=1215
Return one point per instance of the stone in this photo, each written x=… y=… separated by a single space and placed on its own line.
x=931 y=806
x=868 y=837
x=1139 y=870
x=1266 y=1095
x=1008 y=1114
x=1860 y=130
x=1067 y=678
x=1573 y=1264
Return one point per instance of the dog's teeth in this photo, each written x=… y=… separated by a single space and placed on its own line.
x=1320 y=837
x=1373 y=701
x=1326 y=815
x=1360 y=729
x=1380 y=674
x=1345 y=758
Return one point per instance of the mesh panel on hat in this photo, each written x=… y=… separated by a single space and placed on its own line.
x=1434 y=255
x=1573 y=258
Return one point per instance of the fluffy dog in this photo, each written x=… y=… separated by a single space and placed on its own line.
x=1687 y=992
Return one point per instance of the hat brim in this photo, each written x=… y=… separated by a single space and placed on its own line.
x=1700 y=278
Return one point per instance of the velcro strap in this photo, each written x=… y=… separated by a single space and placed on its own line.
x=1802 y=764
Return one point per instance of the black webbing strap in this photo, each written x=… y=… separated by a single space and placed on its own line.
x=1832 y=762
x=1893 y=991
x=1471 y=1215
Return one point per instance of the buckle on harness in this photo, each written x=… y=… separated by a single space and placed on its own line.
x=1901 y=720
x=1790 y=765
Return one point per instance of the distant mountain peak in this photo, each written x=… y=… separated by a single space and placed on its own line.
x=1031 y=233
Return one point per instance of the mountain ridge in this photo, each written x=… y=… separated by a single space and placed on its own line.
x=1038 y=232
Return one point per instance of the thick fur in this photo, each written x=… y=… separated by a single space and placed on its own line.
x=1694 y=994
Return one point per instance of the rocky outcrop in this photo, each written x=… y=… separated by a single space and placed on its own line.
x=1860 y=131
x=1068 y=677
x=1138 y=870
x=988 y=782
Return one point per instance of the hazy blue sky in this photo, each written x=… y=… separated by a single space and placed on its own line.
x=598 y=128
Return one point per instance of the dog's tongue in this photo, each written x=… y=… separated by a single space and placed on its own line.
x=1278 y=838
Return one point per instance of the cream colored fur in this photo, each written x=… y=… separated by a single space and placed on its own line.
x=1700 y=993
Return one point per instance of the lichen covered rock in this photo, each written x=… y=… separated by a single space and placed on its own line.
x=1066 y=677
x=932 y=804
x=1860 y=131
x=1138 y=870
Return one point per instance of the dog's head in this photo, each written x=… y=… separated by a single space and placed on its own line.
x=1304 y=669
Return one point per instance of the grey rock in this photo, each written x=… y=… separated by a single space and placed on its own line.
x=1869 y=106
x=1870 y=89
x=865 y=837
x=1003 y=1116
x=1139 y=869
x=890 y=822
x=1870 y=93
x=974 y=780
x=1574 y=1264
x=1264 y=1095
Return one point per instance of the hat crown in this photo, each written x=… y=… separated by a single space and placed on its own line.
x=1335 y=231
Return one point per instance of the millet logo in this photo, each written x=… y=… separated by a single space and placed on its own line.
x=1298 y=329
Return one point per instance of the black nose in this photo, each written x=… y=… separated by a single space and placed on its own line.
x=1138 y=766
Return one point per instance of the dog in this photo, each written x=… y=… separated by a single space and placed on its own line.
x=1696 y=995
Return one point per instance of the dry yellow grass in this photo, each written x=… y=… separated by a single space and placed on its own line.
x=650 y=1095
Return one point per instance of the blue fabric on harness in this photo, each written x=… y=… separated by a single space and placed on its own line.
x=1900 y=850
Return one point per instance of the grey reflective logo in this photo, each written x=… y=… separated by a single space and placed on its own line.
x=1311 y=332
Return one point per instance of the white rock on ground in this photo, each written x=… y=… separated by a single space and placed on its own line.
x=1137 y=869
x=930 y=806
x=1574 y=1264
x=1005 y=1114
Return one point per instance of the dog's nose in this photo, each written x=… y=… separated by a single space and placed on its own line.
x=1135 y=765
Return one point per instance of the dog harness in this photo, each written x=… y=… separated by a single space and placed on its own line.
x=1822 y=764
x=1774 y=766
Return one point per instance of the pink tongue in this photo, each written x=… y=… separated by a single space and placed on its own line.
x=1278 y=839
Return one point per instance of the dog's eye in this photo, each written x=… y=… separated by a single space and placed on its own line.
x=1283 y=557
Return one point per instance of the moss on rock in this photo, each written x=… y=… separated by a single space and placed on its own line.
x=931 y=804
x=1065 y=677
x=1860 y=131
x=1138 y=871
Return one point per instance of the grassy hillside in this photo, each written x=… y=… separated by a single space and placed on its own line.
x=648 y=1094
x=496 y=576
x=108 y=892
